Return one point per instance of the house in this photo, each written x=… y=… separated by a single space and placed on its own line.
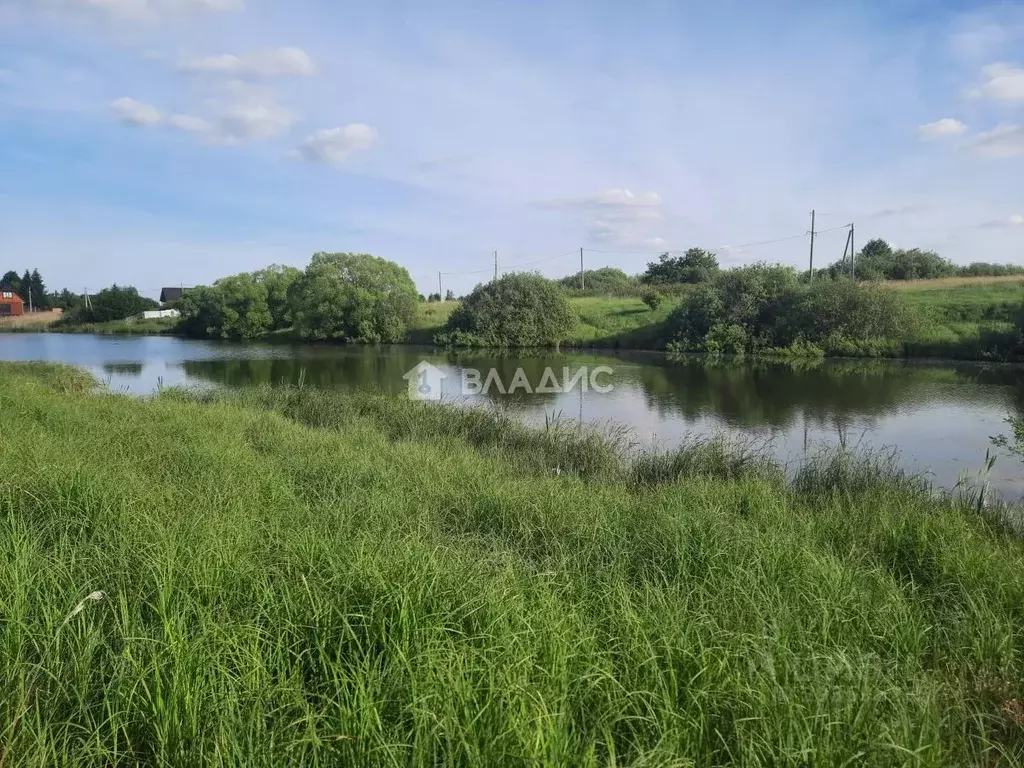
x=172 y=294
x=11 y=304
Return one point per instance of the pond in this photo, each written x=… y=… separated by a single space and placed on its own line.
x=938 y=415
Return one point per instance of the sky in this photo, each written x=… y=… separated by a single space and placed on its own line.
x=172 y=142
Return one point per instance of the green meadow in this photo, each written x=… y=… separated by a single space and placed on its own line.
x=302 y=577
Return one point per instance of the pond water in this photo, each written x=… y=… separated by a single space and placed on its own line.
x=938 y=415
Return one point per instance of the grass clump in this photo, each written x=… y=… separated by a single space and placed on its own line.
x=185 y=582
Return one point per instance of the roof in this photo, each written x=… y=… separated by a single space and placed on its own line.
x=172 y=294
x=6 y=287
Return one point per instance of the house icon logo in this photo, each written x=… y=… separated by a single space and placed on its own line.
x=425 y=381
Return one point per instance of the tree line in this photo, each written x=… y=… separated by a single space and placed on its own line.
x=876 y=261
x=29 y=286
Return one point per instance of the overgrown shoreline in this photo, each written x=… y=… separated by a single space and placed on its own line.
x=292 y=576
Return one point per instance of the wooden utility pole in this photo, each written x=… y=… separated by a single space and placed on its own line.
x=440 y=294
x=583 y=278
x=495 y=265
x=846 y=250
x=30 y=310
x=853 y=255
x=810 y=272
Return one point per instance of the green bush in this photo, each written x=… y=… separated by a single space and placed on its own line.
x=517 y=310
x=114 y=303
x=985 y=269
x=607 y=281
x=766 y=309
x=837 y=310
x=355 y=297
x=694 y=266
x=879 y=261
x=757 y=299
x=241 y=306
x=652 y=299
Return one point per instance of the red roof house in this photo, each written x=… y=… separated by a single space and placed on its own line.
x=10 y=302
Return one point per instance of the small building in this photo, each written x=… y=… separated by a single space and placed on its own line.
x=172 y=294
x=11 y=304
x=156 y=314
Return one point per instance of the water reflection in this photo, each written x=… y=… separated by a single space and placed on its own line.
x=939 y=415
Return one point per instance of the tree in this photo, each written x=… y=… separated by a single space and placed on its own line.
x=449 y=295
x=11 y=278
x=278 y=281
x=40 y=297
x=355 y=297
x=114 y=303
x=878 y=261
x=65 y=300
x=516 y=310
x=694 y=266
x=242 y=306
x=27 y=293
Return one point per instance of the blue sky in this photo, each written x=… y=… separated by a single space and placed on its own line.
x=161 y=142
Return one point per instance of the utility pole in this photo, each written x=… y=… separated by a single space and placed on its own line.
x=846 y=249
x=87 y=298
x=30 y=300
x=853 y=255
x=440 y=293
x=495 y=265
x=810 y=272
x=583 y=278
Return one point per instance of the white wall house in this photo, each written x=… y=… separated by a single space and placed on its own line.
x=156 y=314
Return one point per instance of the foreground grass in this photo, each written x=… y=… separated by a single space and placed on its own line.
x=293 y=578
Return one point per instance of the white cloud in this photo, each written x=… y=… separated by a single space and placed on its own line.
x=189 y=123
x=616 y=216
x=134 y=112
x=943 y=128
x=253 y=121
x=138 y=10
x=335 y=145
x=1016 y=220
x=239 y=112
x=280 y=62
x=1003 y=141
x=608 y=199
x=1004 y=83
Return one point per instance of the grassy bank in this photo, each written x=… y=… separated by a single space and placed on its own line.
x=961 y=319
x=297 y=577
x=157 y=327
x=625 y=323
x=33 y=322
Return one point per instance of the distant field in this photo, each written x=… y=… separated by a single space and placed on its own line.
x=30 y=321
x=947 y=282
x=970 y=299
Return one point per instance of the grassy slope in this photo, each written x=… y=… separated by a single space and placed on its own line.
x=386 y=590
x=959 y=317
x=603 y=322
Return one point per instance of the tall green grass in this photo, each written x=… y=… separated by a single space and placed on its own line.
x=245 y=580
